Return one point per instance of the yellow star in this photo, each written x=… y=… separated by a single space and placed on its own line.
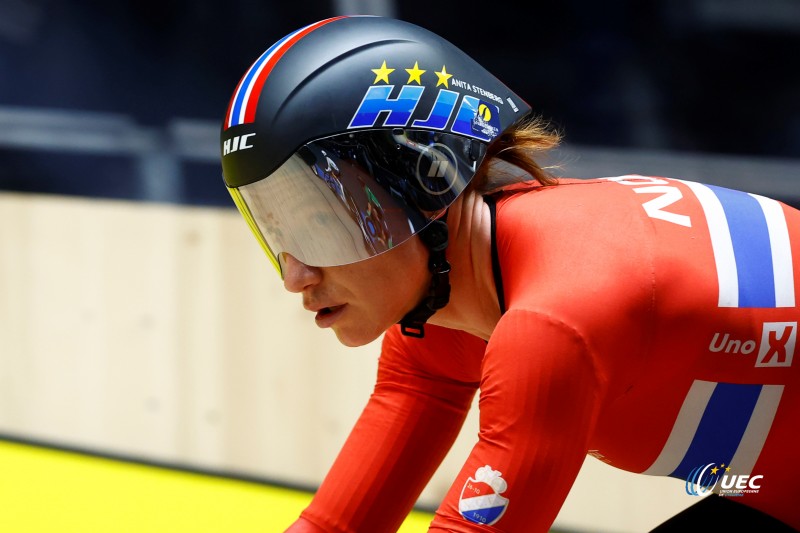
x=415 y=73
x=714 y=470
x=443 y=77
x=728 y=469
x=382 y=74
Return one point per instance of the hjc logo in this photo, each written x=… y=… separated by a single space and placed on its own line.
x=776 y=348
x=474 y=118
x=240 y=142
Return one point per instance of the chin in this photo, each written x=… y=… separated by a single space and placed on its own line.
x=355 y=339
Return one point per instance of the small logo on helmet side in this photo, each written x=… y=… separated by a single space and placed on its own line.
x=487 y=120
x=437 y=169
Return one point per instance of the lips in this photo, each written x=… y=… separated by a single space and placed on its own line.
x=326 y=316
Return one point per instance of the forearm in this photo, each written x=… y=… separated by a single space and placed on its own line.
x=391 y=454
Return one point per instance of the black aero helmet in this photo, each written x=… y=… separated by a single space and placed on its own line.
x=352 y=134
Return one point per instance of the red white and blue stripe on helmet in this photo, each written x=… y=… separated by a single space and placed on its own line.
x=242 y=107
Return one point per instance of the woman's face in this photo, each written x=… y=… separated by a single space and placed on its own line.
x=362 y=300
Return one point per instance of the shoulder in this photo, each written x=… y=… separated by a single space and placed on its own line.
x=442 y=352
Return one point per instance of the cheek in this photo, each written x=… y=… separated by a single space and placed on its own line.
x=408 y=270
x=391 y=296
x=396 y=283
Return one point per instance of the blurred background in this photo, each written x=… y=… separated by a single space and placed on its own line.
x=138 y=318
x=152 y=79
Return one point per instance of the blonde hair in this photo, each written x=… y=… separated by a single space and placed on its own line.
x=512 y=157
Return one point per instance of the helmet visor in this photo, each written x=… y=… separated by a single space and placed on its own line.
x=352 y=196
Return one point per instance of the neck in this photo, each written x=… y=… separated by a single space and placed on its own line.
x=473 y=306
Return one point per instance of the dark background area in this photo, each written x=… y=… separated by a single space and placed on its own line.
x=698 y=76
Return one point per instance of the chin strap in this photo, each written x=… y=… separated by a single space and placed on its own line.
x=434 y=236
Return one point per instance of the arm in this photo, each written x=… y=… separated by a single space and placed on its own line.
x=404 y=432
x=540 y=394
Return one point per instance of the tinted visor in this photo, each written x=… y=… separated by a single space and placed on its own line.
x=352 y=196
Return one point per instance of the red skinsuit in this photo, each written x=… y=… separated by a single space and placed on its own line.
x=649 y=322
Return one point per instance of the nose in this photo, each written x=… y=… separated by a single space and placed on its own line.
x=297 y=275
